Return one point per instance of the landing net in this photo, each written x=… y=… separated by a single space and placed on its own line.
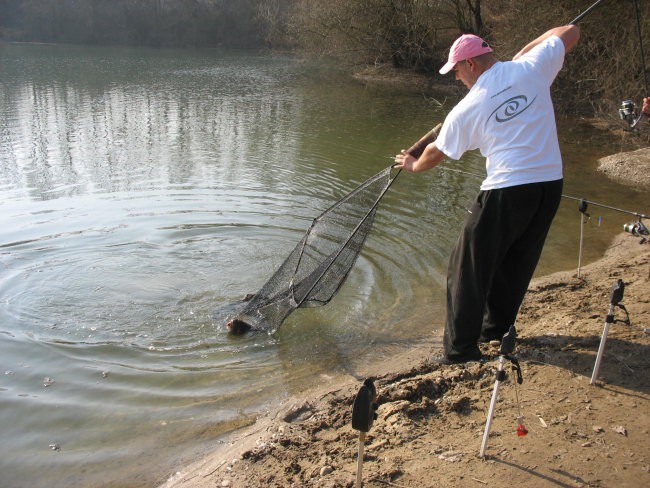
x=317 y=267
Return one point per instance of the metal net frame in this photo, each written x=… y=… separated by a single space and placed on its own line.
x=319 y=264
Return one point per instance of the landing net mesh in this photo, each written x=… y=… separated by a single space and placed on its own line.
x=317 y=267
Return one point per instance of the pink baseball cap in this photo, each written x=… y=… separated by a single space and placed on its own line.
x=465 y=47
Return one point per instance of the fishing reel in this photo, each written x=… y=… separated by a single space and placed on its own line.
x=629 y=113
x=636 y=228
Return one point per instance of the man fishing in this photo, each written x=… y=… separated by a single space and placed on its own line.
x=508 y=115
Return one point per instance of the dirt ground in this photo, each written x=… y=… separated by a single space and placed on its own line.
x=631 y=168
x=431 y=418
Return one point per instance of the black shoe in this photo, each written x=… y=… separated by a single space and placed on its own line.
x=460 y=359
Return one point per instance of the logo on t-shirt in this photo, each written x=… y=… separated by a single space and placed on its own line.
x=511 y=108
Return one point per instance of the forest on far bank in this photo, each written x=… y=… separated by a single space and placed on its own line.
x=412 y=35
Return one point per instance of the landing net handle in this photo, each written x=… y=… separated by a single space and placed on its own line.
x=415 y=150
x=418 y=148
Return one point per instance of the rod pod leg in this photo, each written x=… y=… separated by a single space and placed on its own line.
x=582 y=208
x=582 y=225
x=614 y=301
x=493 y=402
x=601 y=347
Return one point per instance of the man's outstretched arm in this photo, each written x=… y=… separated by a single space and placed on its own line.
x=570 y=34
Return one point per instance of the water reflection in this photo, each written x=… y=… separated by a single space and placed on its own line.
x=69 y=138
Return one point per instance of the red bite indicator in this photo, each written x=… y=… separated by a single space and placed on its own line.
x=521 y=428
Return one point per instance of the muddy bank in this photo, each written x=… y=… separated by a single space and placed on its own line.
x=631 y=168
x=435 y=91
x=431 y=418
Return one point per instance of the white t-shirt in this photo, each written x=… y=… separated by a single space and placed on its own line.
x=508 y=115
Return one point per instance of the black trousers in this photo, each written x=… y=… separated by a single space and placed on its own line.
x=494 y=261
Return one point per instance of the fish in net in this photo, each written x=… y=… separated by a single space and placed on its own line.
x=319 y=264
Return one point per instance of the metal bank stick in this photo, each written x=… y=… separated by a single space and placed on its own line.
x=614 y=301
x=505 y=353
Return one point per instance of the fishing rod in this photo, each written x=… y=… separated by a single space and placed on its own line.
x=637 y=228
x=638 y=30
x=584 y=14
x=583 y=201
x=621 y=210
x=628 y=111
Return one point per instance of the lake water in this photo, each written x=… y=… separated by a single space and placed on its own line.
x=142 y=189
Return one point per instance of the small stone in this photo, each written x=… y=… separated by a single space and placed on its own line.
x=47 y=382
x=451 y=456
x=619 y=429
x=325 y=470
x=377 y=445
x=225 y=483
x=598 y=429
x=55 y=447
